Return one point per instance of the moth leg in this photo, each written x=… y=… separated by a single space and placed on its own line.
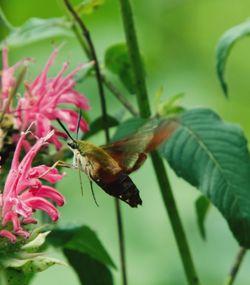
x=92 y=191
x=75 y=161
x=80 y=165
x=57 y=163
x=88 y=172
x=80 y=178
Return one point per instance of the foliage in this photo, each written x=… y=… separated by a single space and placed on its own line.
x=36 y=29
x=207 y=152
x=225 y=44
x=85 y=253
x=117 y=61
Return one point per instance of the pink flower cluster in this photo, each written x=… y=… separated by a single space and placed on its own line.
x=24 y=192
x=43 y=99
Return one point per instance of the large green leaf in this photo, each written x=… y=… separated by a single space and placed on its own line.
x=89 y=270
x=36 y=29
x=81 y=239
x=224 y=47
x=213 y=156
x=85 y=253
x=117 y=61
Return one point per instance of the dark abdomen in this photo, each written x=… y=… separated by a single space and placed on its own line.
x=123 y=188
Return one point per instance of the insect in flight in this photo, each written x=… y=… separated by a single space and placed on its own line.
x=109 y=166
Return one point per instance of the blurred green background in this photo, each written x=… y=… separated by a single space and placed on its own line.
x=178 y=40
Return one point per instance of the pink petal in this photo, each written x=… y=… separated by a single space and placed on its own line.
x=22 y=209
x=12 y=217
x=44 y=192
x=22 y=233
x=51 y=176
x=27 y=221
x=25 y=165
x=43 y=125
x=75 y=98
x=43 y=76
x=51 y=193
x=7 y=234
x=56 y=80
x=44 y=205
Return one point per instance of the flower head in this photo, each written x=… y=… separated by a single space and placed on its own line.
x=42 y=98
x=25 y=193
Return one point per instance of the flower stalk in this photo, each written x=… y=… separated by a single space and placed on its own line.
x=161 y=174
x=236 y=266
x=92 y=52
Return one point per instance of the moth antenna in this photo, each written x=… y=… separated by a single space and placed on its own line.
x=80 y=178
x=78 y=123
x=66 y=131
x=92 y=191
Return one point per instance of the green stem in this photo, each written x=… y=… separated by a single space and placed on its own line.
x=91 y=52
x=236 y=266
x=91 y=48
x=109 y=85
x=4 y=20
x=123 y=100
x=144 y=107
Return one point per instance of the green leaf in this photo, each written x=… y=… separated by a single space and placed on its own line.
x=118 y=62
x=31 y=263
x=14 y=277
x=88 y=7
x=98 y=125
x=171 y=106
x=225 y=44
x=213 y=156
x=36 y=243
x=89 y=270
x=81 y=239
x=36 y=29
x=201 y=207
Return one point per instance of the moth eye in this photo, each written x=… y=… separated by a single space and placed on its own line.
x=72 y=145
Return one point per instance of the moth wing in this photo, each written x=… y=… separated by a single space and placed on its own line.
x=131 y=152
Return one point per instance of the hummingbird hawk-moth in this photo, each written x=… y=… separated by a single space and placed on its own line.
x=109 y=166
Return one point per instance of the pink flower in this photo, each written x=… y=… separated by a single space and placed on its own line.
x=43 y=97
x=8 y=81
x=24 y=192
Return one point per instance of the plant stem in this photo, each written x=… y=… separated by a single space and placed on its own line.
x=4 y=20
x=121 y=241
x=236 y=265
x=109 y=85
x=92 y=53
x=161 y=174
x=119 y=96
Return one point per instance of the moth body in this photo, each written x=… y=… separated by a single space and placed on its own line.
x=99 y=166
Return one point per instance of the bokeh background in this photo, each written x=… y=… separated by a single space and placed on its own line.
x=177 y=40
